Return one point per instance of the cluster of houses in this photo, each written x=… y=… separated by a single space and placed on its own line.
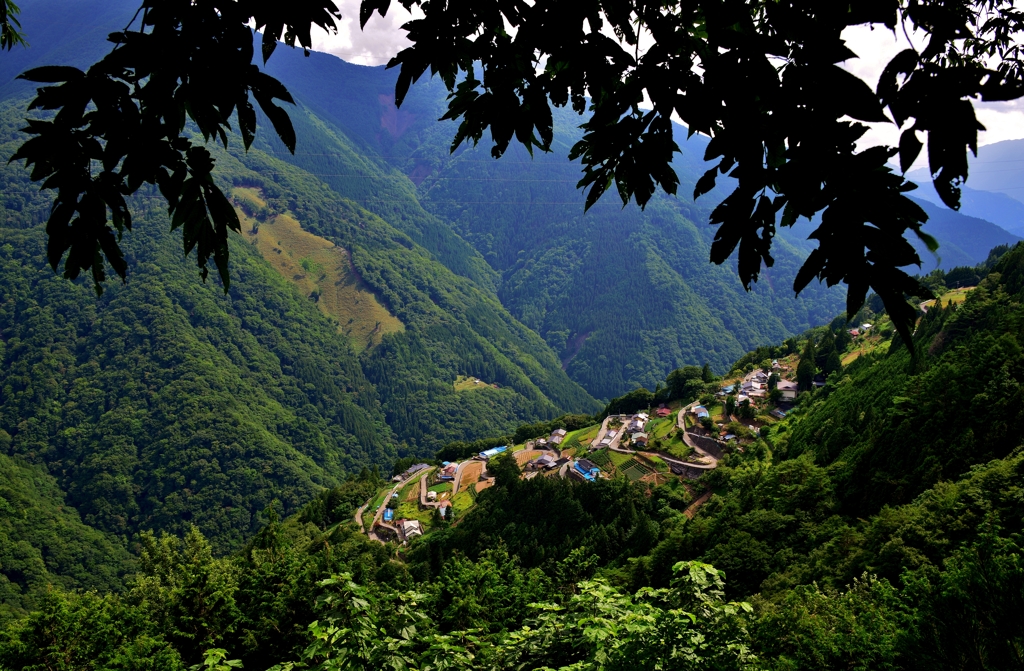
x=755 y=386
x=409 y=472
x=546 y=462
x=554 y=440
x=858 y=331
x=609 y=438
x=636 y=428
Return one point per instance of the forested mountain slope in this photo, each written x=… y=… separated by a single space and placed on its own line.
x=920 y=569
x=999 y=208
x=165 y=402
x=622 y=296
x=964 y=240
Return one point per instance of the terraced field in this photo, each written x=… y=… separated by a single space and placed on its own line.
x=603 y=461
x=523 y=456
x=635 y=470
x=470 y=475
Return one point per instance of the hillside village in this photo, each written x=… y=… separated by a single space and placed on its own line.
x=651 y=446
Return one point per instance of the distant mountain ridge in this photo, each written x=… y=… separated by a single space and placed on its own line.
x=998 y=167
x=998 y=208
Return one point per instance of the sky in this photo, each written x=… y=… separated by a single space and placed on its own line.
x=384 y=37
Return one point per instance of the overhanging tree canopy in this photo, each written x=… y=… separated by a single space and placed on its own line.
x=760 y=77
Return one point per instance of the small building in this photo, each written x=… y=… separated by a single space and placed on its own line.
x=431 y=496
x=410 y=529
x=444 y=509
x=700 y=411
x=865 y=327
x=585 y=470
x=640 y=439
x=729 y=389
x=778 y=414
x=610 y=435
x=741 y=398
x=788 y=388
x=663 y=411
x=729 y=436
x=557 y=436
x=545 y=462
x=819 y=380
x=854 y=332
x=448 y=471
x=409 y=472
x=389 y=514
x=493 y=452
x=641 y=416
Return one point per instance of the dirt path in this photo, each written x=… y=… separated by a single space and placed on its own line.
x=712 y=463
x=359 y=515
x=691 y=509
x=423 y=493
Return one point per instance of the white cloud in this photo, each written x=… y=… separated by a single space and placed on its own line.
x=382 y=38
x=875 y=48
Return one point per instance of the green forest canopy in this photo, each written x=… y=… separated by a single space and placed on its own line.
x=817 y=562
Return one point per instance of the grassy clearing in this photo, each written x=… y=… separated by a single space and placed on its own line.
x=659 y=465
x=411 y=511
x=379 y=501
x=463 y=383
x=322 y=271
x=951 y=297
x=581 y=437
x=250 y=194
x=411 y=492
x=440 y=487
x=660 y=428
x=462 y=502
x=676 y=447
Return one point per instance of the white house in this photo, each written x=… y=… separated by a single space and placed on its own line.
x=788 y=388
x=411 y=529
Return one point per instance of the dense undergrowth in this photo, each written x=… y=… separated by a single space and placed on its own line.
x=880 y=547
